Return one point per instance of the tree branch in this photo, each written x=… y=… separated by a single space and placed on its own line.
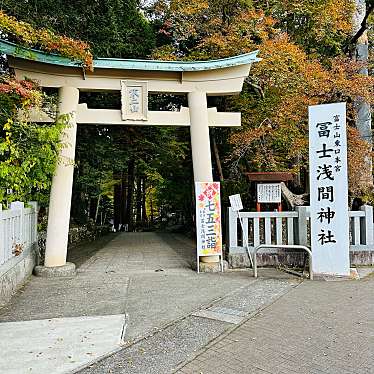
x=293 y=199
x=257 y=87
x=361 y=30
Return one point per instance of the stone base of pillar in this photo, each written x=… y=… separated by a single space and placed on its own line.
x=353 y=274
x=211 y=267
x=67 y=270
x=209 y=259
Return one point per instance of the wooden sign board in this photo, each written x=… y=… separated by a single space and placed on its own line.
x=236 y=202
x=269 y=193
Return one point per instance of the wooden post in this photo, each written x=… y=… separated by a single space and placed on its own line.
x=34 y=206
x=232 y=232
x=367 y=227
x=2 y=239
x=302 y=227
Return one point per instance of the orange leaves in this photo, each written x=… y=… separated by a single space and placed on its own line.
x=358 y=152
x=240 y=36
x=46 y=40
x=291 y=81
x=27 y=91
x=337 y=15
x=320 y=17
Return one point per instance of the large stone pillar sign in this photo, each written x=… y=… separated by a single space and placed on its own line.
x=60 y=199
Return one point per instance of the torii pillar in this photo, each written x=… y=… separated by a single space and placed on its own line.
x=200 y=145
x=200 y=141
x=61 y=191
x=195 y=79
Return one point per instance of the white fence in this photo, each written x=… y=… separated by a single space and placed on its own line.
x=18 y=230
x=292 y=228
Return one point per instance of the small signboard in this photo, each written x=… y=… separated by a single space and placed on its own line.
x=236 y=202
x=269 y=193
x=134 y=97
x=329 y=189
x=208 y=219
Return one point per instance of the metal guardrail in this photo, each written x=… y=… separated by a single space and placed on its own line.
x=282 y=246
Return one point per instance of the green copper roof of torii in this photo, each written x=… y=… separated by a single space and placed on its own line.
x=128 y=64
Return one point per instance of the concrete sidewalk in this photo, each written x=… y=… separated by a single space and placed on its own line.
x=317 y=328
x=136 y=305
x=145 y=276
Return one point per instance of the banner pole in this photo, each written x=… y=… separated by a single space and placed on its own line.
x=245 y=239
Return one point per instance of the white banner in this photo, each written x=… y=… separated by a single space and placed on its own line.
x=329 y=189
x=208 y=219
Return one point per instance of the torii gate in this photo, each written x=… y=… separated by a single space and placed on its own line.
x=134 y=78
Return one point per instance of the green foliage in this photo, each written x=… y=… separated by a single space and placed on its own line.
x=114 y=28
x=28 y=151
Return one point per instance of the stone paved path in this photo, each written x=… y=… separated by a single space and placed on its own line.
x=316 y=328
x=145 y=278
x=146 y=275
x=164 y=350
x=174 y=315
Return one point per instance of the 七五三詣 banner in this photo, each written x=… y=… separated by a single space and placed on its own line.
x=329 y=189
x=208 y=218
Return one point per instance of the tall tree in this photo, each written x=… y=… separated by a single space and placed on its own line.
x=359 y=50
x=114 y=28
x=303 y=63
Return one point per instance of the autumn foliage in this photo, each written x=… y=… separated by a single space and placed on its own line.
x=301 y=47
x=46 y=40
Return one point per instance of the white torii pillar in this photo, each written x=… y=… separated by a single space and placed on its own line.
x=61 y=192
x=200 y=144
x=200 y=141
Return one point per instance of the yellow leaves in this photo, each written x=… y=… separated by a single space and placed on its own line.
x=188 y=7
x=166 y=53
x=337 y=15
x=325 y=16
x=8 y=124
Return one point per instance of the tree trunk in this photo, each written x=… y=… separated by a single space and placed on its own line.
x=92 y=211
x=129 y=219
x=362 y=108
x=123 y=199
x=144 y=199
x=117 y=205
x=152 y=216
x=291 y=198
x=217 y=158
x=138 y=201
x=97 y=208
